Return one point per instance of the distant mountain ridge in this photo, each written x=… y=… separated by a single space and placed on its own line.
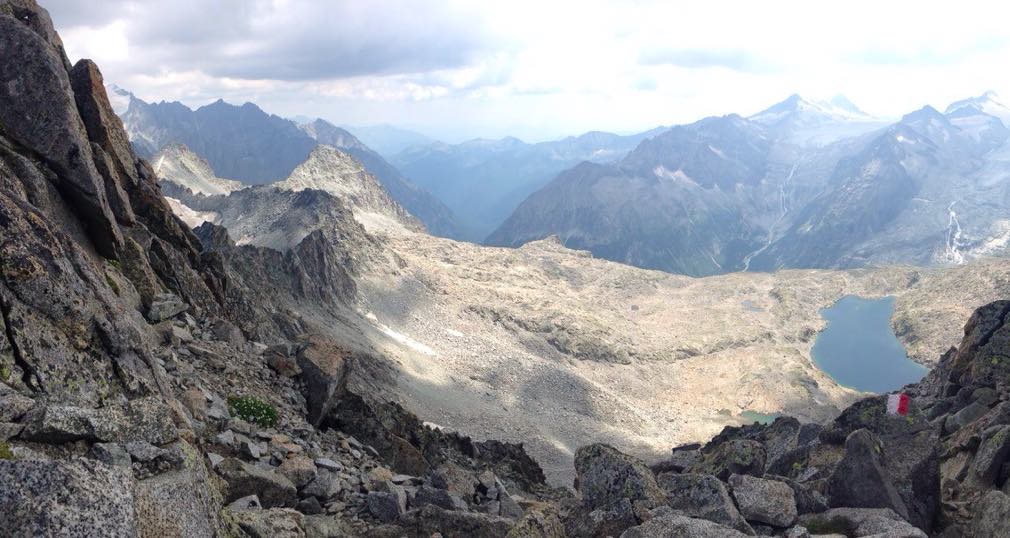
x=245 y=143
x=801 y=184
x=483 y=180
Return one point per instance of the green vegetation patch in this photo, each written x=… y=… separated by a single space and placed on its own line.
x=253 y=410
x=5 y=451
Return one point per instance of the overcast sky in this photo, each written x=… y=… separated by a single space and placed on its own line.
x=539 y=68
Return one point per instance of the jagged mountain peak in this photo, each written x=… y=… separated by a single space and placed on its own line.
x=838 y=108
x=334 y=171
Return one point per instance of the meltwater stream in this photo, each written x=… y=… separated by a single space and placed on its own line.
x=858 y=349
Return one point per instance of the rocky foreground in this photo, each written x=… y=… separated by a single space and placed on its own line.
x=160 y=382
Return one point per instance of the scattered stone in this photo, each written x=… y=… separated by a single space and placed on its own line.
x=325 y=486
x=457 y=524
x=439 y=497
x=248 y=447
x=284 y=366
x=299 y=470
x=214 y=459
x=165 y=306
x=249 y=502
x=225 y=438
x=272 y=488
x=111 y=454
x=388 y=506
x=195 y=402
x=402 y=479
x=764 y=501
x=309 y=506
x=328 y=464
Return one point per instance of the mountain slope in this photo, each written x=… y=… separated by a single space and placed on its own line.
x=246 y=144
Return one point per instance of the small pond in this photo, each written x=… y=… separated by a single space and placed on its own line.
x=858 y=349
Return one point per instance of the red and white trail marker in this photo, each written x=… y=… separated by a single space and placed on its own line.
x=897 y=404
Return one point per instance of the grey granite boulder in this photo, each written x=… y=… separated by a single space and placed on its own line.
x=702 y=496
x=764 y=501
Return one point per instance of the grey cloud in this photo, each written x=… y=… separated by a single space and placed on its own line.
x=71 y=13
x=294 y=41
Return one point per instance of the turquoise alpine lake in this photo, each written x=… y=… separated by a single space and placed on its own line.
x=858 y=348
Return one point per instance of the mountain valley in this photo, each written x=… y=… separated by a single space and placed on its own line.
x=221 y=323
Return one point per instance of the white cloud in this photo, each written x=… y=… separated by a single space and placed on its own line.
x=536 y=68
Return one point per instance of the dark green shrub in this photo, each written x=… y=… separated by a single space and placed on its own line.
x=5 y=451
x=253 y=410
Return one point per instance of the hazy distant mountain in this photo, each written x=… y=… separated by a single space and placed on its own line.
x=931 y=188
x=482 y=181
x=988 y=103
x=671 y=204
x=240 y=142
x=245 y=143
x=770 y=191
x=387 y=139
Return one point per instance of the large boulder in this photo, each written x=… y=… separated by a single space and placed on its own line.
x=66 y=498
x=702 y=496
x=273 y=523
x=324 y=367
x=764 y=501
x=679 y=526
x=992 y=516
x=860 y=522
x=538 y=522
x=734 y=456
x=456 y=524
x=387 y=506
x=860 y=481
x=992 y=453
x=39 y=112
x=272 y=488
x=605 y=476
x=144 y=419
x=179 y=502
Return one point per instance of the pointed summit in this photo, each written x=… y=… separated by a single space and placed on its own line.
x=806 y=122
